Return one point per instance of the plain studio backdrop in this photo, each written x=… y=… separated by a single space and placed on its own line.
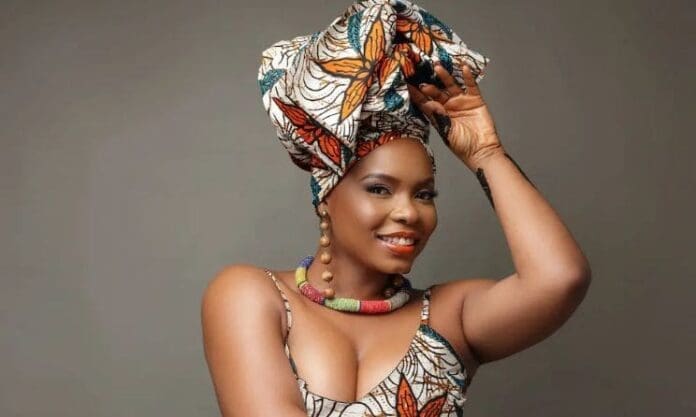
x=137 y=161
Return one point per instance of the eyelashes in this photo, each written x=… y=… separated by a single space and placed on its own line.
x=377 y=188
x=432 y=194
x=373 y=188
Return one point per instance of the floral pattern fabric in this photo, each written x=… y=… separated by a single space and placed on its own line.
x=337 y=94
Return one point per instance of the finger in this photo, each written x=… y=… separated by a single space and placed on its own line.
x=424 y=103
x=432 y=106
x=451 y=86
x=434 y=93
x=416 y=95
x=469 y=81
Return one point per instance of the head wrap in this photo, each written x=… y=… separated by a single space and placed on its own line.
x=337 y=94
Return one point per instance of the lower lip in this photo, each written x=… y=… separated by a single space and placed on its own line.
x=398 y=249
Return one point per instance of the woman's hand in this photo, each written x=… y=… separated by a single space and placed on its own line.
x=460 y=116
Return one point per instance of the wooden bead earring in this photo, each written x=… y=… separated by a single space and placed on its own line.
x=325 y=256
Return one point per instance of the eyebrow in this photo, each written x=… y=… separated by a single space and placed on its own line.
x=381 y=175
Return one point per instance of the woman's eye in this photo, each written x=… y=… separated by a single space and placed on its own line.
x=428 y=195
x=382 y=190
x=376 y=189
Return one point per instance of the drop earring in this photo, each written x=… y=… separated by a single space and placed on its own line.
x=325 y=257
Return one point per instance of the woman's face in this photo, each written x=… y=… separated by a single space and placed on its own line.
x=391 y=190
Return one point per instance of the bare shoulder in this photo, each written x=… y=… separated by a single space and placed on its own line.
x=236 y=275
x=447 y=299
x=240 y=283
x=243 y=339
x=454 y=292
x=242 y=288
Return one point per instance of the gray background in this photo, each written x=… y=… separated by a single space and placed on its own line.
x=137 y=161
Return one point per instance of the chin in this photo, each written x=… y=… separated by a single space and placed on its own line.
x=404 y=270
x=398 y=266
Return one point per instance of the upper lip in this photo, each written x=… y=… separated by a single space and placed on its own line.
x=409 y=235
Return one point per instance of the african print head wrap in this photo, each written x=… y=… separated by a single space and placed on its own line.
x=337 y=94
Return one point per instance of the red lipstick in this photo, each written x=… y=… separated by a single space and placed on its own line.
x=396 y=248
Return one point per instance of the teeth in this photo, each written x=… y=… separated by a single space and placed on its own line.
x=403 y=241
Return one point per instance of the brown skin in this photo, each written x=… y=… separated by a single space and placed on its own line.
x=485 y=319
x=359 y=208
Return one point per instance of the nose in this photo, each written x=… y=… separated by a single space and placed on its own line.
x=404 y=211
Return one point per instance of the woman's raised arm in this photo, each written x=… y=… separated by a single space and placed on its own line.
x=552 y=275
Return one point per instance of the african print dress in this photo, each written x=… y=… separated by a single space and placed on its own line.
x=430 y=380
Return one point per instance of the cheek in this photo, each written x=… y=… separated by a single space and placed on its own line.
x=366 y=215
x=358 y=217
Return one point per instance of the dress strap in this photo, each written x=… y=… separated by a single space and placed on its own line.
x=288 y=315
x=288 y=312
x=425 y=310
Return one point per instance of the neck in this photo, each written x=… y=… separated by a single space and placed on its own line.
x=351 y=278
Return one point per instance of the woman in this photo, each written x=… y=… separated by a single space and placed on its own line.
x=347 y=334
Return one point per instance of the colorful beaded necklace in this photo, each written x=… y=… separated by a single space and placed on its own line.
x=397 y=300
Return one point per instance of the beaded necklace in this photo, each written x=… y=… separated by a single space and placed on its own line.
x=397 y=300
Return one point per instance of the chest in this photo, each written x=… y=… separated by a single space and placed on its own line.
x=428 y=380
x=394 y=364
x=396 y=361
x=345 y=357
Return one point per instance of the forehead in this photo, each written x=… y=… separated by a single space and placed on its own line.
x=403 y=158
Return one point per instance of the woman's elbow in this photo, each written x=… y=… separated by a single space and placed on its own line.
x=578 y=279
x=572 y=278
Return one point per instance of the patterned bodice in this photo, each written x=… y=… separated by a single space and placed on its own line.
x=430 y=380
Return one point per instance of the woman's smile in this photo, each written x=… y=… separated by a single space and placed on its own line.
x=398 y=245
